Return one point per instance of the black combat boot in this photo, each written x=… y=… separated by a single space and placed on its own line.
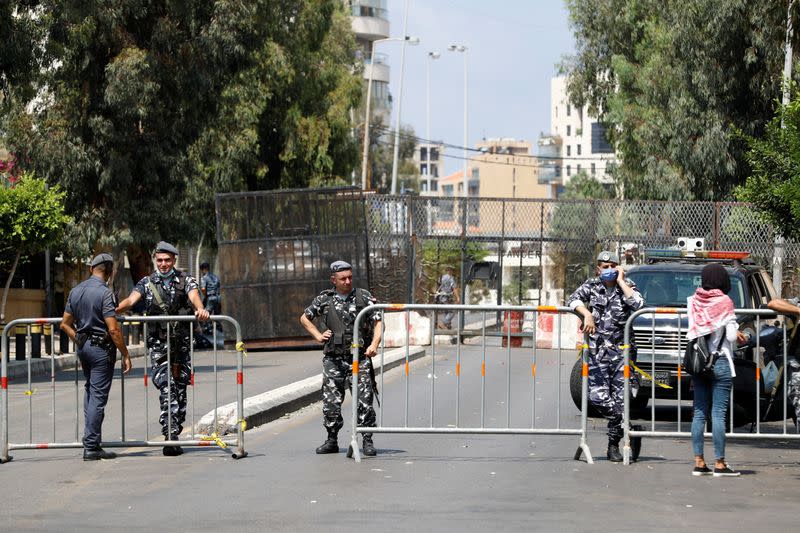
x=613 y=454
x=369 y=447
x=636 y=444
x=96 y=454
x=172 y=451
x=331 y=444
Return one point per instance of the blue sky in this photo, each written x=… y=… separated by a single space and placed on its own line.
x=514 y=47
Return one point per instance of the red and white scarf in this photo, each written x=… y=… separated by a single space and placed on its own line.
x=708 y=311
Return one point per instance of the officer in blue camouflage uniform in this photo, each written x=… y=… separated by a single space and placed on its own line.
x=168 y=291
x=339 y=307
x=791 y=307
x=605 y=302
x=210 y=288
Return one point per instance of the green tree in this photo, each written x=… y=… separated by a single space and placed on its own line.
x=146 y=109
x=774 y=182
x=670 y=79
x=31 y=219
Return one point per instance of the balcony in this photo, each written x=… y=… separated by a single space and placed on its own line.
x=380 y=70
x=370 y=19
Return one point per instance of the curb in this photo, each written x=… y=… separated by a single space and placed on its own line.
x=273 y=404
x=41 y=366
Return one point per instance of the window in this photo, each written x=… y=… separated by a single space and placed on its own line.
x=434 y=154
x=578 y=147
x=600 y=144
x=423 y=153
x=578 y=168
x=435 y=171
x=569 y=110
x=569 y=130
x=569 y=170
x=423 y=169
x=569 y=150
x=476 y=175
x=558 y=171
x=593 y=169
x=434 y=185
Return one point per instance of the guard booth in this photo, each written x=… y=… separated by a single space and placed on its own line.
x=275 y=248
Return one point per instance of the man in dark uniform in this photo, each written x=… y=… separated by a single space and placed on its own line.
x=89 y=320
x=339 y=307
x=447 y=294
x=605 y=302
x=168 y=291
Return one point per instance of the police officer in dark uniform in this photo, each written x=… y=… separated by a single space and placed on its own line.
x=339 y=307
x=168 y=291
x=89 y=320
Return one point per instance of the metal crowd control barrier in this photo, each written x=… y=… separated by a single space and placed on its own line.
x=754 y=315
x=124 y=442
x=432 y=428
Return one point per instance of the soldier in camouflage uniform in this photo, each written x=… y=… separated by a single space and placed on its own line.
x=211 y=293
x=168 y=291
x=605 y=303
x=339 y=307
x=791 y=307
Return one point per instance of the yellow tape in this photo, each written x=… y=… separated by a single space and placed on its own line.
x=645 y=375
x=30 y=392
x=243 y=422
x=624 y=346
x=217 y=440
x=240 y=348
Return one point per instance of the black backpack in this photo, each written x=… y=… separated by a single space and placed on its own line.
x=698 y=360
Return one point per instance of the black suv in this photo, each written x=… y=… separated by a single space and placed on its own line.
x=668 y=282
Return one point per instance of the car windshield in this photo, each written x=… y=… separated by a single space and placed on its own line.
x=671 y=289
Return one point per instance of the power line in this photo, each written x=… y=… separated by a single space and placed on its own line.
x=504 y=163
x=422 y=140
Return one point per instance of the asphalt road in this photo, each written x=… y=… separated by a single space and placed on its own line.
x=417 y=482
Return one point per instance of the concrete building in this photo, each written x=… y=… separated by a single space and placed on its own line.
x=505 y=168
x=429 y=158
x=370 y=22
x=577 y=141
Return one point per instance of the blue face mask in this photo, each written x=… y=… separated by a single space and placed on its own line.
x=167 y=275
x=608 y=274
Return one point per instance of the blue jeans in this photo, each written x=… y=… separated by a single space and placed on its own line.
x=714 y=395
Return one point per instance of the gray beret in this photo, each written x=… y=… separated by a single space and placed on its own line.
x=340 y=266
x=607 y=257
x=99 y=259
x=165 y=247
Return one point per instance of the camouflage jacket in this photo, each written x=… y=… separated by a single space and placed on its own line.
x=346 y=309
x=174 y=292
x=609 y=307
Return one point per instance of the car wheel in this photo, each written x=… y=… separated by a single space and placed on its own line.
x=575 y=388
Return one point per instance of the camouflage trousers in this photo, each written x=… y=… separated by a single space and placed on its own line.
x=336 y=379
x=607 y=388
x=794 y=395
x=171 y=385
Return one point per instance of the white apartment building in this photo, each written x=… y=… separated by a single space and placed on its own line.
x=370 y=22
x=429 y=158
x=576 y=143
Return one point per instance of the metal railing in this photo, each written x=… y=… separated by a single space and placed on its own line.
x=195 y=440
x=748 y=371
x=460 y=333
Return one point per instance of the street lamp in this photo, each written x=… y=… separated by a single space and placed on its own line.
x=412 y=41
x=456 y=47
x=432 y=56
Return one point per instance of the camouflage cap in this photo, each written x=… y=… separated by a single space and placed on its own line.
x=165 y=247
x=340 y=266
x=607 y=257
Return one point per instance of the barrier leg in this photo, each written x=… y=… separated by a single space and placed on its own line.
x=583 y=447
x=4 y=457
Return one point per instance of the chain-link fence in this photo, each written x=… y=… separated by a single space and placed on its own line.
x=275 y=246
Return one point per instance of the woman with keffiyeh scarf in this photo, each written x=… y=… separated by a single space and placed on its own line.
x=711 y=313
